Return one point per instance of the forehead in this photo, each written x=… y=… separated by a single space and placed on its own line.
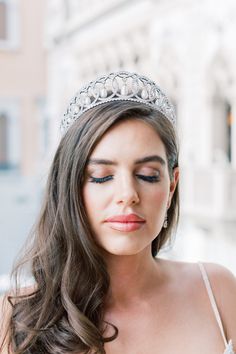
x=131 y=137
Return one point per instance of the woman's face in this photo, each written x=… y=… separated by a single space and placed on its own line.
x=127 y=188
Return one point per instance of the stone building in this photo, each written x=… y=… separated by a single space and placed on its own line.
x=188 y=47
x=23 y=123
x=22 y=86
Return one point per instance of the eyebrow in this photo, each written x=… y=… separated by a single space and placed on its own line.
x=152 y=158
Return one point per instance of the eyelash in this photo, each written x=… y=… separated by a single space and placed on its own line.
x=150 y=179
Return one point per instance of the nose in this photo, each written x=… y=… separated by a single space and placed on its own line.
x=126 y=193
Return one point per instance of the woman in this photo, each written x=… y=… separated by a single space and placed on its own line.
x=111 y=204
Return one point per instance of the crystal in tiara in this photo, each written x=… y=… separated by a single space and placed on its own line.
x=118 y=86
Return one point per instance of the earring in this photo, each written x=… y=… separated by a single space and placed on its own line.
x=165 y=224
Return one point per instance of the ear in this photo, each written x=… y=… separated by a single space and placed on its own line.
x=173 y=184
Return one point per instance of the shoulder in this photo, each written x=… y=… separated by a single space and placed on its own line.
x=220 y=273
x=223 y=284
x=222 y=280
x=220 y=277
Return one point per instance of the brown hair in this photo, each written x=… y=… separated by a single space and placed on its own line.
x=64 y=312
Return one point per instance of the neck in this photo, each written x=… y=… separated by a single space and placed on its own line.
x=132 y=278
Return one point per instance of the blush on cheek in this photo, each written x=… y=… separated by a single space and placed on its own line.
x=160 y=197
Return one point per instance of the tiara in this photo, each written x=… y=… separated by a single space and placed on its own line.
x=118 y=86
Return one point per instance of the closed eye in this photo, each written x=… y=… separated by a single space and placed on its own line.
x=150 y=179
x=101 y=179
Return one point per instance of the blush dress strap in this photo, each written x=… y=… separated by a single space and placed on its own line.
x=228 y=345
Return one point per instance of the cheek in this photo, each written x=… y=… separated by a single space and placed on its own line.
x=159 y=197
x=94 y=200
x=89 y=199
x=157 y=207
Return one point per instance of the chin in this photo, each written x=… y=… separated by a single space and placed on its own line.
x=123 y=251
x=124 y=245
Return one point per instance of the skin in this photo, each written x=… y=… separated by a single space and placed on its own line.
x=125 y=190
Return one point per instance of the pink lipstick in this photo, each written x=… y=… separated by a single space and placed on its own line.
x=126 y=223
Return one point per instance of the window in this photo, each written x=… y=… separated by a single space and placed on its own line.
x=3 y=141
x=222 y=129
x=9 y=135
x=9 y=24
x=67 y=9
x=3 y=20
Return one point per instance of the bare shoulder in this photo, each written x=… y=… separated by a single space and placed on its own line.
x=221 y=278
x=216 y=268
x=223 y=283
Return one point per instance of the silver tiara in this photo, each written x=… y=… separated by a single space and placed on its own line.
x=118 y=86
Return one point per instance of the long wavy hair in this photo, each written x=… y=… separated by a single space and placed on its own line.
x=64 y=311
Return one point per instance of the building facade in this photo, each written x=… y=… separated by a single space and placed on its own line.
x=23 y=85
x=189 y=49
x=23 y=124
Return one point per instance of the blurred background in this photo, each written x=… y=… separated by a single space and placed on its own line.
x=49 y=48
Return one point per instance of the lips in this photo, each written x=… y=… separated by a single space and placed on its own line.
x=125 y=218
x=125 y=223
